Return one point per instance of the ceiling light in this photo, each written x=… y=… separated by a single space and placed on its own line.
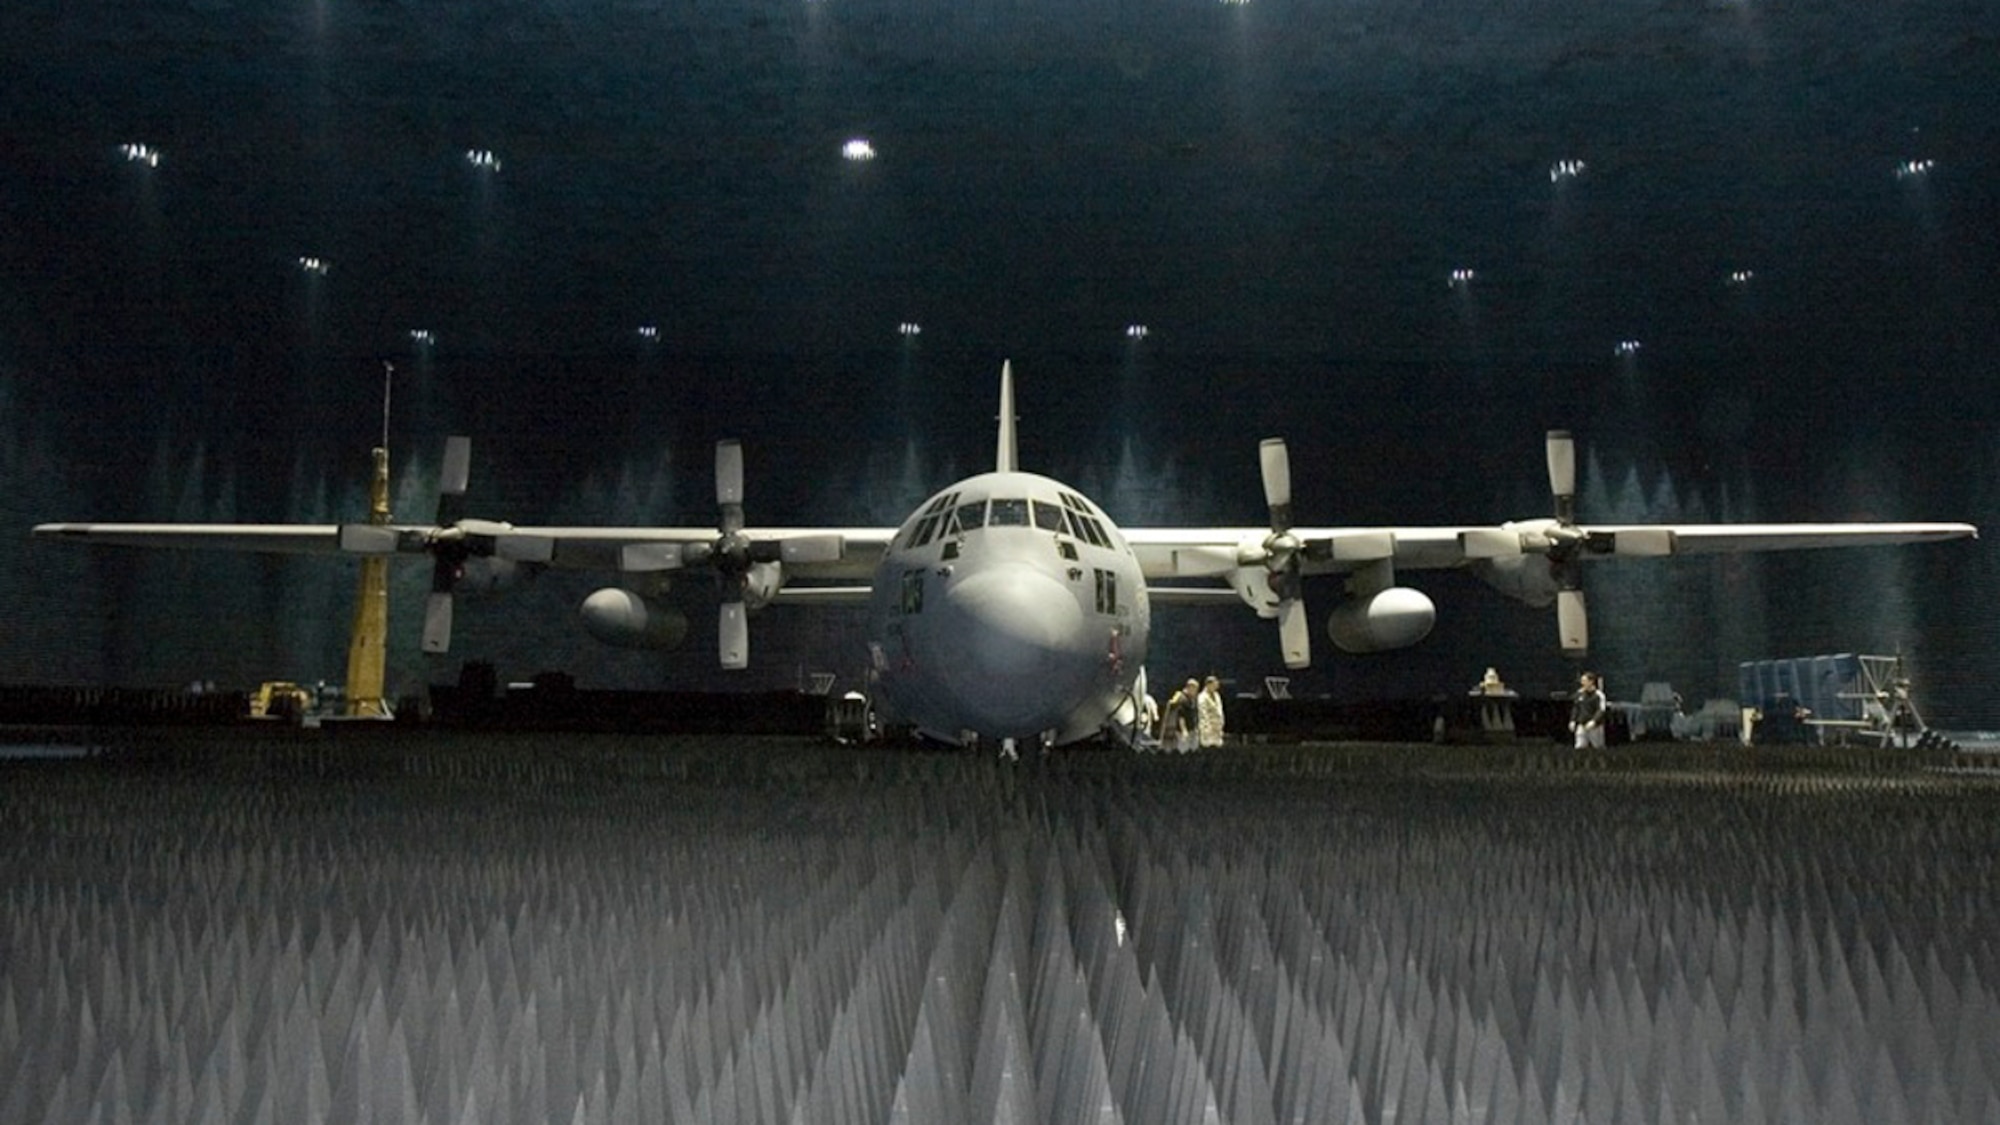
x=422 y=337
x=140 y=154
x=315 y=265
x=909 y=328
x=858 y=149
x=1741 y=277
x=1460 y=278
x=1909 y=168
x=649 y=332
x=1136 y=332
x=482 y=158
x=1565 y=170
x=1628 y=347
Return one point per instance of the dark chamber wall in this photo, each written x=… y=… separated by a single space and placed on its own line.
x=861 y=438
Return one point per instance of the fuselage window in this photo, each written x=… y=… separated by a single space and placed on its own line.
x=1008 y=513
x=1048 y=517
x=1107 y=592
x=913 y=591
x=972 y=516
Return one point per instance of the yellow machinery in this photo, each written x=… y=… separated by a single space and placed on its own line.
x=280 y=699
x=367 y=647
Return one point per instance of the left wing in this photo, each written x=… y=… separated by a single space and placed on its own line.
x=752 y=565
x=814 y=553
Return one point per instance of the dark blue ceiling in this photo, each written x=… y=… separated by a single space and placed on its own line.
x=1280 y=175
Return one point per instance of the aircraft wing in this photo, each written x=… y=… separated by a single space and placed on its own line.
x=835 y=553
x=1165 y=553
x=264 y=538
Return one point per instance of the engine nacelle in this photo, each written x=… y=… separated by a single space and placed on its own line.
x=1525 y=578
x=484 y=574
x=626 y=619
x=762 y=583
x=1397 y=617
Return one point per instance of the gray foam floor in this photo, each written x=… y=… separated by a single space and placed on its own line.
x=563 y=930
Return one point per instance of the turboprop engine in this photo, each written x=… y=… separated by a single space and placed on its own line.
x=1526 y=578
x=628 y=619
x=1397 y=617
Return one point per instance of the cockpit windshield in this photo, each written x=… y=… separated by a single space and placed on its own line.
x=1008 y=513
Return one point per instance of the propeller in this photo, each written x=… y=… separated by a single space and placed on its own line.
x=1566 y=543
x=448 y=557
x=460 y=549
x=733 y=555
x=1281 y=553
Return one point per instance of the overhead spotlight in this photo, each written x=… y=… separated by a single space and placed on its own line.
x=1565 y=170
x=858 y=149
x=1910 y=168
x=482 y=158
x=649 y=331
x=1628 y=347
x=1741 y=277
x=315 y=265
x=140 y=154
x=1137 y=332
x=909 y=328
x=422 y=337
x=1460 y=278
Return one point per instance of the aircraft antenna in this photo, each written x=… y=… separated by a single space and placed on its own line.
x=388 y=371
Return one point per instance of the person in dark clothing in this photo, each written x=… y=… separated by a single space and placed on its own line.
x=1587 y=713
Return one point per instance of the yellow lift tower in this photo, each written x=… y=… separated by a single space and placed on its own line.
x=368 y=646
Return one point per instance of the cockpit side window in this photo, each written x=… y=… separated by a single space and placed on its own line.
x=1085 y=520
x=1049 y=517
x=1008 y=513
x=932 y=522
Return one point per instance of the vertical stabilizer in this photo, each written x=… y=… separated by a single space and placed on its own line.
x=1004 y=460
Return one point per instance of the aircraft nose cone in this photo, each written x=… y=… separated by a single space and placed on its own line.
x=1018 y=630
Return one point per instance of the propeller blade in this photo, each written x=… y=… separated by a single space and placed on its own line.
x=733 y=629
x=1295 y=633
x=1489 y=543
x=368 y=539
x=813 y=549
x=1572 y=623
x=1276 y=465
x=1562 y=474
x=729 y=484
x=437 y=622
